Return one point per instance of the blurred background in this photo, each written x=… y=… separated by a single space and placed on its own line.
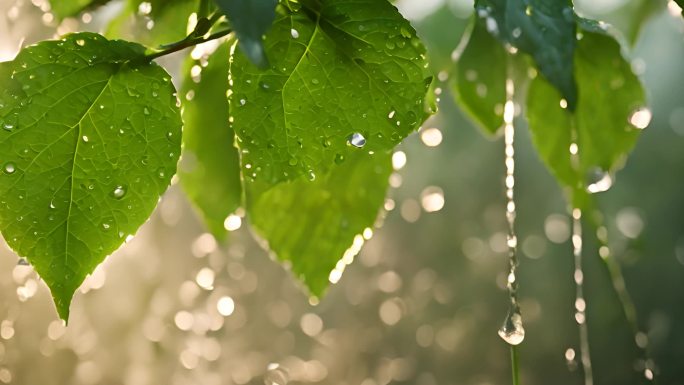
x=424 y=300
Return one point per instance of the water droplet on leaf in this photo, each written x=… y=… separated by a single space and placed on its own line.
x=10 y=168
x=119 y=192
x=357 y=140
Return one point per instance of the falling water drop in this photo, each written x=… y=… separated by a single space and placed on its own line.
x=357 y=140
x=276 y=375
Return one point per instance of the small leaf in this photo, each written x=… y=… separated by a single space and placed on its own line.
x=210 y=168
x=343 y=69
x=610 y=113
x=250 y=19
x=543 y=29
x=478 y=80
x=312 y=224
x=90 y=139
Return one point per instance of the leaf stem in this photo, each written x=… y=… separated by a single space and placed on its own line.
x=515 y=368
x=185 y=43
x=203 y=10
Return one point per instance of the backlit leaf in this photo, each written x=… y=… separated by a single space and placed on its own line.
x=543 y=29
x=607 y=122
x=210 y=168
x=90 y=138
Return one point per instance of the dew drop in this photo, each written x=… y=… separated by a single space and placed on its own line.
x=146 y=111
x=85 y=138
x=314 y=81
x=339 y=159
x=8 y=126
x=357 y=140
x=276 y=375
x=294 y=33
x=311 y=175
x=512 y=330
x=10 y=168
x=80 y=42
x=119 y=192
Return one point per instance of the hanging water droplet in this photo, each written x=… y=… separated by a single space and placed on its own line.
x=641 y=118
x=357 y=140
x=512 y=330
x=276 y=375
x=10 y=168
x=119 y=192
x=599 y=181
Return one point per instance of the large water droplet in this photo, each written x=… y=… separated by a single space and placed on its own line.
x=357 y=140
x=10 y=168
x=294 y=33
x=276 y=375
x=119 y=192
x=512 y=330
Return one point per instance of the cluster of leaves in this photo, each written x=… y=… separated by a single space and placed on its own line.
x=584 y=105
x=290 y=111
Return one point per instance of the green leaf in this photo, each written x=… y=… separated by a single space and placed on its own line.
x=605 y=125
x=210 y=167
x=628 y=18
x=478 y=80
x=250 y=19
x=90 y=139
x=340 y=70
x=543 y=29
x=341 y=73
x=166 y=21
x=312 y=224
x=66 y=8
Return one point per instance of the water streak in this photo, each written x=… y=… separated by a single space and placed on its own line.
x=580 y=303
x=512 y=330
